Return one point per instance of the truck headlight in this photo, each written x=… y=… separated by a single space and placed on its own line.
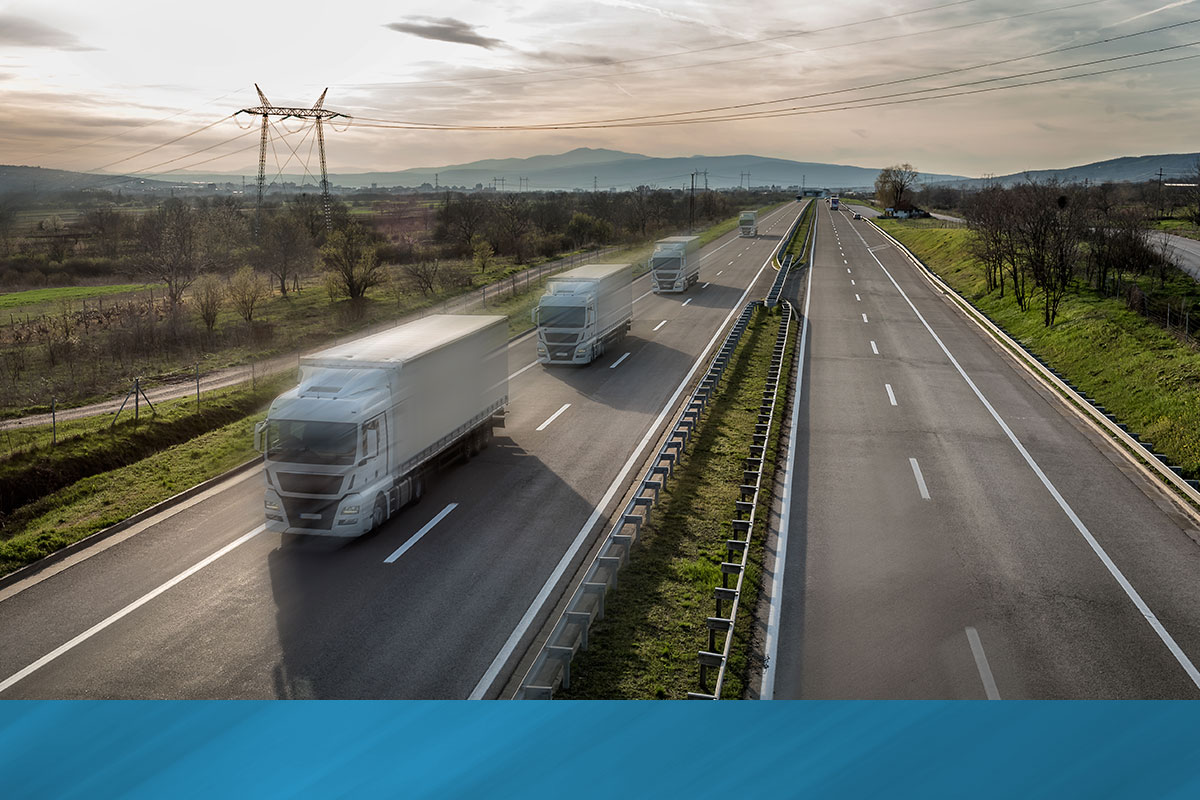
x=348 y=510
x=271 y=505
x=579 y=351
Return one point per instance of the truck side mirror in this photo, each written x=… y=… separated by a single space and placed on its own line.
x=259 y=428
x=534 y=314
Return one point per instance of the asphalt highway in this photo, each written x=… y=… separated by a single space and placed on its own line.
x=951 y=529
x=442 y=602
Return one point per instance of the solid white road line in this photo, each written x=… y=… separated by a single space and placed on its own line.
x=771 y=643
x=553 y=417
x=1135 y=598
x=891 y=394
x=916 y=468
x=426 y=528
x=864 y=318
x=659 y=325
x=127 y=610
x=644 y=295
x=874 y=349
x=685 y=302
x=981 y=662
x=522 y=369
x=514 y=638
x=617 y=363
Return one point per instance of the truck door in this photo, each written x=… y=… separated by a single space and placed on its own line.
x=374 y=447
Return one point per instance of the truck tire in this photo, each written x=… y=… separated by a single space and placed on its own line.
x=379 y=513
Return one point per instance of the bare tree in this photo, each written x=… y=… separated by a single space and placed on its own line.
x=108 y=226
x=424 y=273
x=894 y=183
x=247 y=289
x=285 y=249
x=208 y=295
x=171 y=248
x=351 y=257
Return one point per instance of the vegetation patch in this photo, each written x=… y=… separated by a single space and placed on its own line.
x=654 y=623
x=35 y=297
x=798 y=247
x=1142 y=374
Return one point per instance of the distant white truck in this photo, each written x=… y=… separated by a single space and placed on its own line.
x=675 y=264
x=583 y=311
x=371 y=419
x=748 y=223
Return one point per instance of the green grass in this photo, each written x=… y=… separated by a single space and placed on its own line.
x=654 y=623
x=1143 y=375
x=97 y=502
x=1179 y=227
x=798 y=246
x=33 y=297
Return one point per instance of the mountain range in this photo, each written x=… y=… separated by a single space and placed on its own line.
x=585 y=168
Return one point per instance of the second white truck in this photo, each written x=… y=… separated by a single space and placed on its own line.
x=675 y=264
x=582 y=312
x=748 y=223
x=372 y=419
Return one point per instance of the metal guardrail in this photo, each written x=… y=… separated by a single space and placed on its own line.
x=786 y=262
x=745 y=509
x=552 y=666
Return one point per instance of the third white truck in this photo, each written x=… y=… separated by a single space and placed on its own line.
x=582 y=312
x=748 y=223
x=675 y=264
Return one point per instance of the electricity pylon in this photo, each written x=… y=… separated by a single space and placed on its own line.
x=316 y=113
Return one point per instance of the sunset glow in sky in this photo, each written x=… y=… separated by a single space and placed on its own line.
x=87 y=85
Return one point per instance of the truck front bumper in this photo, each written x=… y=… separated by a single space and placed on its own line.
x=344 y=522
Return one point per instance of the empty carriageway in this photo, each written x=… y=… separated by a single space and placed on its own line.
x=950 y=529
x=440 y=603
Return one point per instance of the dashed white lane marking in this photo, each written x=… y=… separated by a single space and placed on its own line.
x=891 y=394
x=718 y=273
x=685 y=302
x=916 y=468
x=129 y=609
x=553 y=417
x=617 y=363
x=730 y=264
x=705 y=286
x=981 y=662
x=864 y=317
x=659 y=325
x=644 y=295
x=874 y=349
x=856 y=297
x=847 y=270
x=522 y=369
x=426 y=528
x=852 y=283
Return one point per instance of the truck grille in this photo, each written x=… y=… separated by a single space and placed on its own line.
x=561 y=338
x=305 y=513
x=304 y=483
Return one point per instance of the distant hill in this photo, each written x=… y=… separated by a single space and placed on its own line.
x=20 y=179
x=1127 y=169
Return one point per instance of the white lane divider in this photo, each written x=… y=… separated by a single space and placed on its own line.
x=426 y=528
x=730 y=264
x=659 y=325
x=617 y=363
x=719 y=272
x=891 y=394
x=981 y=662
x=127 y=610
x=522 y=369
x=705 y=286
x=844 y=261
x=874 y=349
x=864 y=317
x=644 y=295
x=856 y=297
x=553 y=417
x=685 y=302
x=852 y=283
x=916 y=468
x=848 y=270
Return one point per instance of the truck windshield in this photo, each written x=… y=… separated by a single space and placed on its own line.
x=561 y=316
x=307 y=442
x=664 y=262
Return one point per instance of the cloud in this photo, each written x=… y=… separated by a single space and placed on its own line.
x=17 y=31
x=445 y=29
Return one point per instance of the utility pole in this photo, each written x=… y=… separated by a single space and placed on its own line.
x=319 y=115
x=436 y=185
x=595 y=185
x=692 y=205
x=705 y=174
x=1160 y=203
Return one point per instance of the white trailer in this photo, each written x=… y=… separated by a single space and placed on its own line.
x=748 y=223
x=370 y=420
x=675 y=264
x=582 y=312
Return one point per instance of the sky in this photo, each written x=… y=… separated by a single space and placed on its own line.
x=107 y=86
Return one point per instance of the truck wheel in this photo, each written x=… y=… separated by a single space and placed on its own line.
x=379 y=514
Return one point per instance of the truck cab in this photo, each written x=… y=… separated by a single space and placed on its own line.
x=565 y=320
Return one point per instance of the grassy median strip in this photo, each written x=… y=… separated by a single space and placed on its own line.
x=798 y=247
x=1140 y=373
x=654 y=624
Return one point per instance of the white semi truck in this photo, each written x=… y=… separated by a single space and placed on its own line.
x=371 y=419
x=748 y=222
x=582 y=312
x=675 y=264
